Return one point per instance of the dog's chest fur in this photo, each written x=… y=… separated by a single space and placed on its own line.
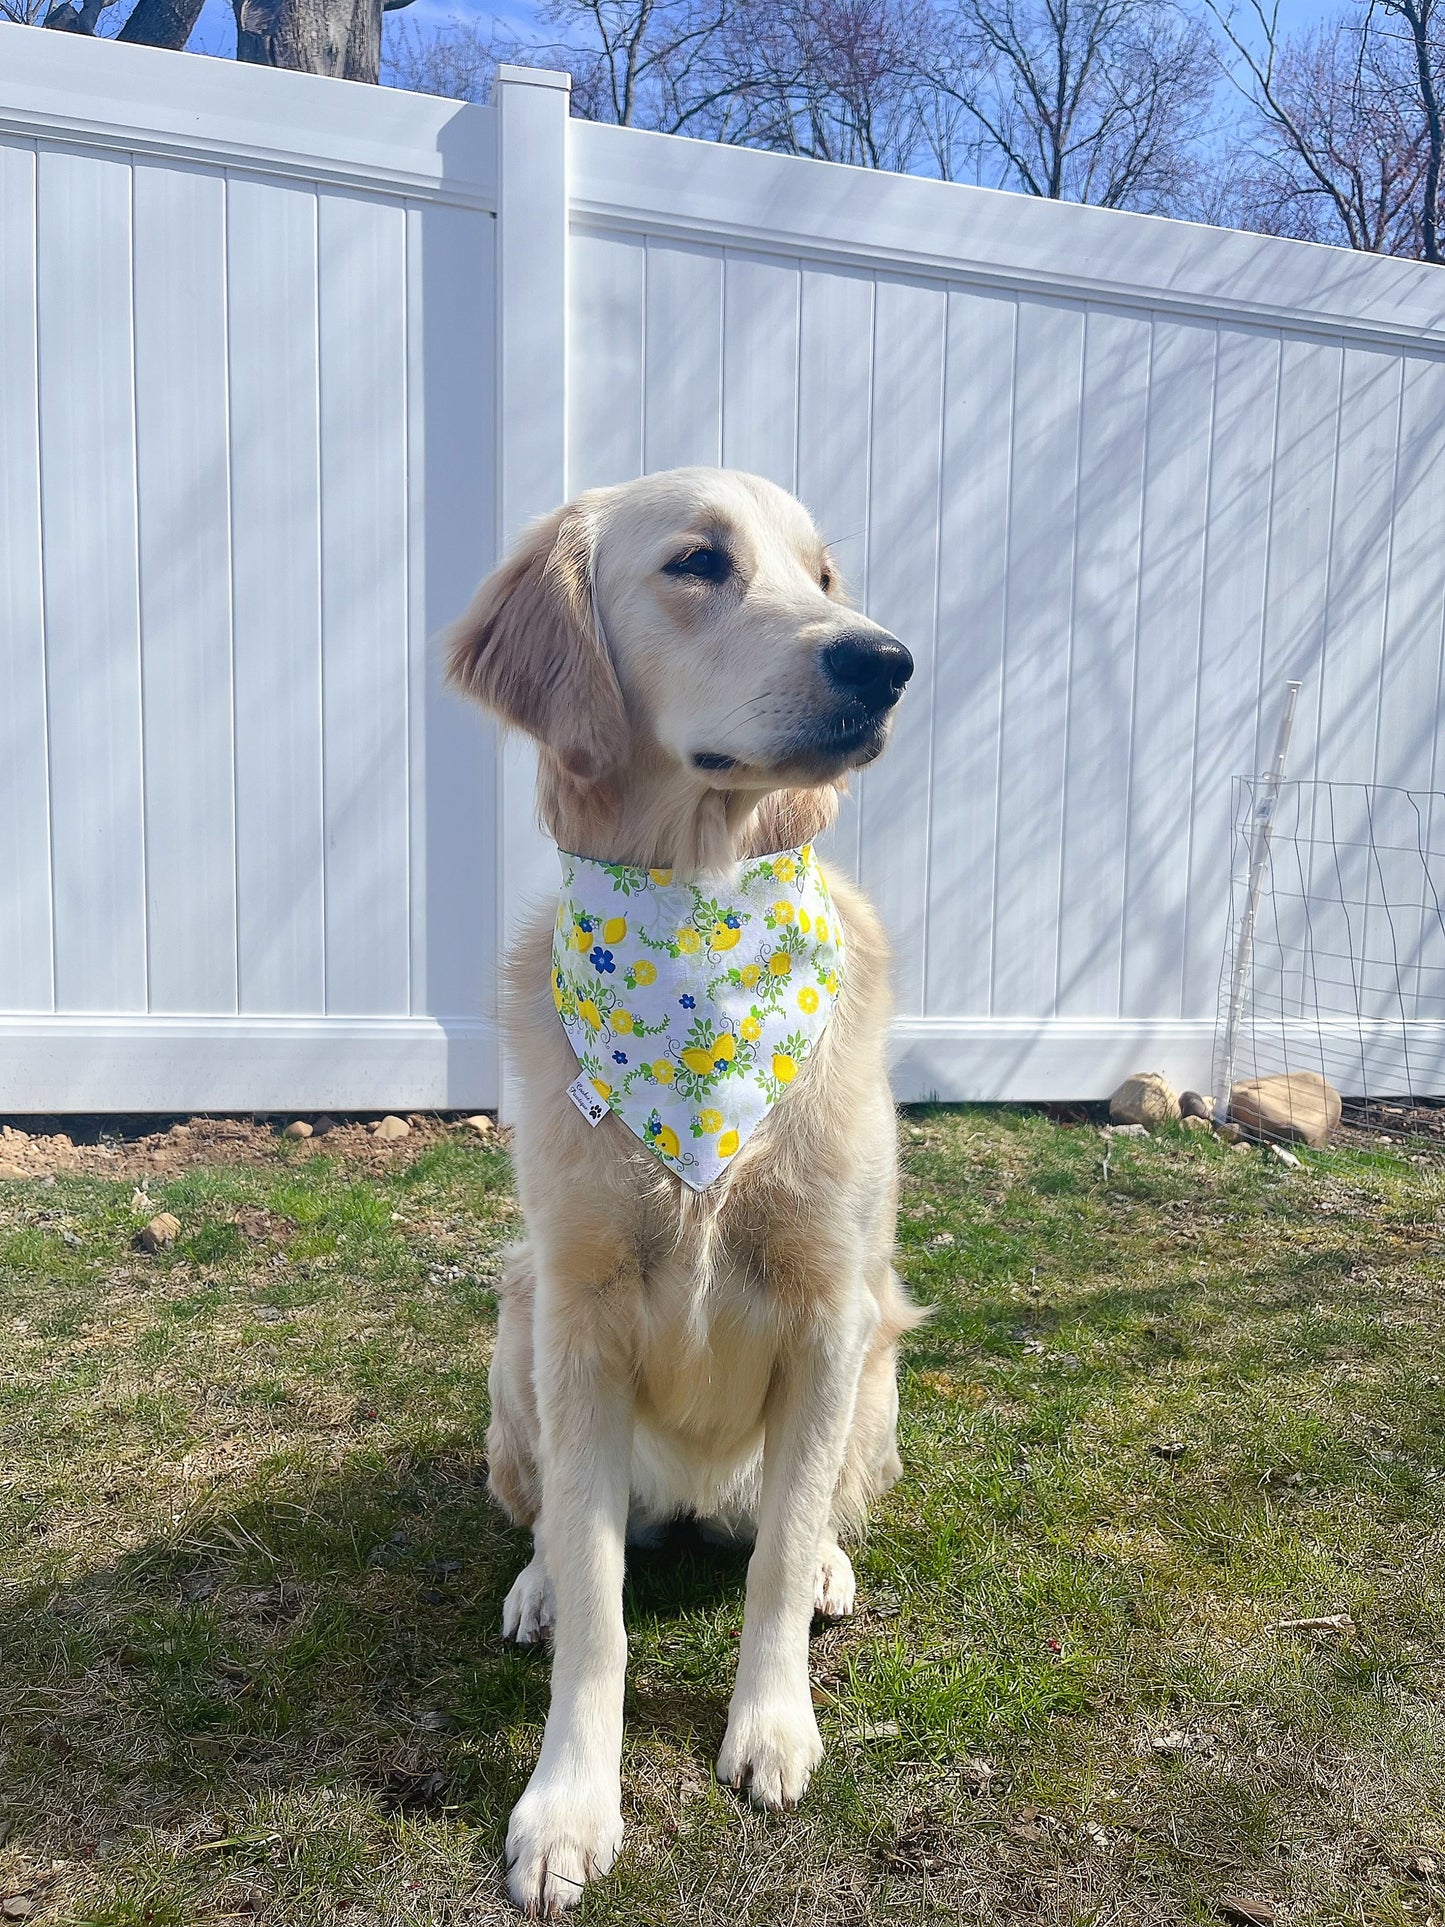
x=697 y=1294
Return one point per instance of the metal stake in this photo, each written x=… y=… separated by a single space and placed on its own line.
x=1258 y=863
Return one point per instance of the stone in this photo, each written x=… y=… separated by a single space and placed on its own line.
x=391 y=1127
x=179 y=1130
x=1242 y=1144
x=300 y=1129
x=1125 y=1130
x=1145 y=1098
x=1192 y=1121
x=481 y=1124
x=1294 y=1104
x=1247 y=1910
x=162 y=1230
x=1194 y=1104
x=321 y=1125
x=1285 y=1157
x=1228 y=1133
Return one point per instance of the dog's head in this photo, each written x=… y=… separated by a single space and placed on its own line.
x=690 y=623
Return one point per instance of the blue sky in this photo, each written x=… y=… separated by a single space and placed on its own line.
x=216 y=33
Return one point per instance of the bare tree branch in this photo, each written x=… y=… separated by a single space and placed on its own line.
x=1344 y=126
x=1090 y=100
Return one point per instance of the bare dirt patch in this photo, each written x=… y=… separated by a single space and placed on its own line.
x=148 y=1146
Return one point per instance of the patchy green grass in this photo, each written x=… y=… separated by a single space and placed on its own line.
x=250 y=1583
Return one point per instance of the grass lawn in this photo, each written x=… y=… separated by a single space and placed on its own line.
x=251 y=1584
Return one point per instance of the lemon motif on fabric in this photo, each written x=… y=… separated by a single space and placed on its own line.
x=693 y=1006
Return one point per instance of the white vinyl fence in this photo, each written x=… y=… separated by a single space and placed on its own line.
x=282 y=362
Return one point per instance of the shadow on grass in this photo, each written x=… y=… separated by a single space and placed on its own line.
x=344 y=1632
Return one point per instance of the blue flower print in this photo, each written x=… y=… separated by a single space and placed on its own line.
x=601 y=960
x=619 y=1057
x=587 y=924
x=733 y=920
x=688 y=1003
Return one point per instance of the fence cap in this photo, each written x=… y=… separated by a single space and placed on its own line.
x=508 y=75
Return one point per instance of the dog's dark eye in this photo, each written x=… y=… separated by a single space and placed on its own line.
x=825 y=581
x=703 y=565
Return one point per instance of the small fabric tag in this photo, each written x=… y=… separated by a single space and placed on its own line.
x=584 y=1096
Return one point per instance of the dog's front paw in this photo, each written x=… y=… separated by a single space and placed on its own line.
x=769 y=1751
x=529 y=1612
x=834 y=1587
x=561 y=1836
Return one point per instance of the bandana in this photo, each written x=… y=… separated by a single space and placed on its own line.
x=692 y=1006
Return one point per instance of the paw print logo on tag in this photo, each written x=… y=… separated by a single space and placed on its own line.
x=583 y=1093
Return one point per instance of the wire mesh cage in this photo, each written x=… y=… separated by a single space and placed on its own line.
x=1335 y=955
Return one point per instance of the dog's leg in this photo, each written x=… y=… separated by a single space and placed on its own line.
x=567 y=1826
x=529 y=1610
x=772 y=1742
x=834 y=1586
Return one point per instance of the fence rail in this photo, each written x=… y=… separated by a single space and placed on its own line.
x=282 y=361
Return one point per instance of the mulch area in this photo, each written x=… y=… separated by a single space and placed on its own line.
x=146 y=1145
x=1394 y=1117
x=149 y=1146
x=1416 y=1124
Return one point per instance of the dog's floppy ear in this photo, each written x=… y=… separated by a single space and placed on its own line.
x=528 y=648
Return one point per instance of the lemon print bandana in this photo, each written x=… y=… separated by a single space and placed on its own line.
x=692 y=1005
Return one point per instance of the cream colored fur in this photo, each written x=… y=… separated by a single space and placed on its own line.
x=731 y=1353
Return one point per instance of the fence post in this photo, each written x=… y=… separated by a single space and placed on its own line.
x=532 y=110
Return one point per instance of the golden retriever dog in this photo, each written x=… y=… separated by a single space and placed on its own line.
x=697 y=685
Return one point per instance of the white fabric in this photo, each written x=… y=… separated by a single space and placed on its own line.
x=692 y=1005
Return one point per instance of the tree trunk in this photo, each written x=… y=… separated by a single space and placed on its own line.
x=161 y=23
x=72 y=19
x=340 y=37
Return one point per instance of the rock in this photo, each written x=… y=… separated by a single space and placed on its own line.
x=1285 y=1157
x=1192 y=1121
x=1125 y=1130
x=1192 y=1104
x=300 y=1129
x=1228 y=1133
x=1295 y=1104
x=1144 y=1099
x=13 y=1171
x=13 y=1136
x=391 y=1127
x=179 y=1130
x=481 y=1124
x=321 y=1125
x=162 y=1230
x=1241 y=1144
x=1247 y=1909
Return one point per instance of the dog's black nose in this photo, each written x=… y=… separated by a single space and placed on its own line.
x=872 y=666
